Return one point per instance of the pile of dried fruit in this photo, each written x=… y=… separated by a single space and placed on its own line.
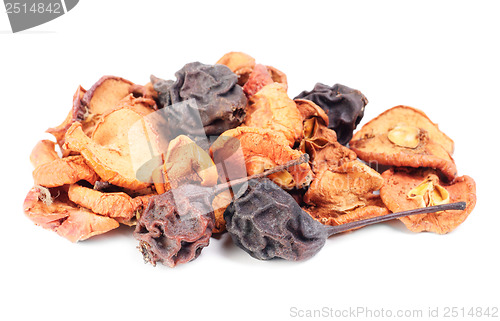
x=224 y=148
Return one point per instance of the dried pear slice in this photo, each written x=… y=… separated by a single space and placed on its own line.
x=405 y=136
x=406 y=189
x=110 y=164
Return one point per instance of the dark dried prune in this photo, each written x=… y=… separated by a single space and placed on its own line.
x=267 y=223
x=219 y=101
x=345 y=107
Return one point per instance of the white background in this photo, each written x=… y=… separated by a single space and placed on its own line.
x=441 y=57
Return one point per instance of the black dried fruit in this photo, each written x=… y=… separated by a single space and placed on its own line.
x=345 y=107
x=267 y=223
x=219 y=102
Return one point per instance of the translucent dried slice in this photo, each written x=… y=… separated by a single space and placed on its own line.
x=62 y=171
x=52 y=210
x=108 y=163
x=43 y=152
x=187 y=162
x=260 y=148
x=396 y=195
x=117 y=205
x=391 y=139
x=271 y=108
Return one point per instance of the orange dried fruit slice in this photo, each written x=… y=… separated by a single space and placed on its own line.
x=57 y=213
x=62 y=171
x=252 y=150
x=240 y=63
x=406 y=189
x=405 y=136
x=271 y=108
x=43 y=152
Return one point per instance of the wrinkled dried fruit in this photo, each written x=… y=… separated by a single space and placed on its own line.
x=345 y=107
x=218 y=101
x=239 y=63
x=259 y=78
x=267 y=223
x=418 y=188
x=118 y=205
x=186 y=162
x=261 y=149
x=271 y=108
x=219 y=204
x=52 y=210
x=62 y=171
x=105 y=161
x=391 y=139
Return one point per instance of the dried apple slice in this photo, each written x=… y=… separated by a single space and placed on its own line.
x=119 y=205
x=239 y=63
x=257 y=149
x=107 y=162
x=271 y=108
x=43 y=152
x=58 y=214
x=62 y=171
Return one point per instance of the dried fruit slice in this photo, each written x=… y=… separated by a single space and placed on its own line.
x=58 y=214
x=186 y=162
x=219 y=204
x=109 y=164
x=260 y=149
x=405 y=136
x=62 y=171
x=259 y=78
x=119 y=205
x=414 y=188
x=43 y=152
x=239 y=63
x=345 y=194
x=271 y=108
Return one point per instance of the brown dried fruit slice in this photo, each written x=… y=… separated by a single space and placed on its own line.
x=108 y=163
x=118 y=205
x=309 y=109
x=271 y=108
x=261 y=149
x=62 y=171
x=58 y=214
x=239 y=63
x=405 y=136
x=426 y=189
x=43 y=152
x=345 y=194
x=186 y=162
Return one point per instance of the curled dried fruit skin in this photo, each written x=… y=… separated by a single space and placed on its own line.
x=415 y=188
x=62 y=171
x=61 y=216
x=405 y=136
x=271 y=108
x=375 y=142
x=260 y=148
x=345 y=107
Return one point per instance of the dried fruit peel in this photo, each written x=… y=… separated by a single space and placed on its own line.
x=62 y=171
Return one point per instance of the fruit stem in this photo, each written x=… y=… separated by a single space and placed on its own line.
x=423 y=210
